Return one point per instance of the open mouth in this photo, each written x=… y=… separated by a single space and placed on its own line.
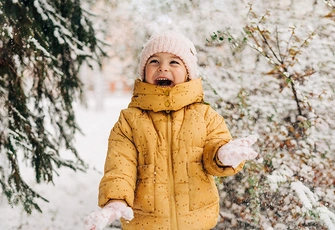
x=164 y=82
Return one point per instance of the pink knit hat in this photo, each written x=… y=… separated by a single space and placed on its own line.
x=174 y=43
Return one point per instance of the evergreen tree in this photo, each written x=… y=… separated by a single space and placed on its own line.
x=43 y=43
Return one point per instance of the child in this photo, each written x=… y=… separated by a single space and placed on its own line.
x=166 y=147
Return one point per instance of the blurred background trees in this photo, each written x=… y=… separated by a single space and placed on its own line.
x=286 y=98
x=267 y=67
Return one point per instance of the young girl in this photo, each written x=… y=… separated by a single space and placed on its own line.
x=166 y=147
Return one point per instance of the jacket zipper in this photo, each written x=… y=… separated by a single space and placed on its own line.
x=173 y=213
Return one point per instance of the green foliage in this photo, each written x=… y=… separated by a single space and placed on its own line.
x=43 y=44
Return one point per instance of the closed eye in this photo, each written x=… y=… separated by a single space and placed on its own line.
x=153 y=61
x=175 y=62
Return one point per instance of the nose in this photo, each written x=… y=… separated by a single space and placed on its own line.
x=163 y=68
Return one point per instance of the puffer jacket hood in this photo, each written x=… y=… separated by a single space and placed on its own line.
x=156 y=98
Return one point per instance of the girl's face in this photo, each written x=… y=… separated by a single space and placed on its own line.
x=165 y=69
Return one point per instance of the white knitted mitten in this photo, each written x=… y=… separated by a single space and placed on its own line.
x=101 y=218
x=236 y=151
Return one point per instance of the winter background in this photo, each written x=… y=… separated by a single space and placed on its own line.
x=297 y=186
x=74 y=194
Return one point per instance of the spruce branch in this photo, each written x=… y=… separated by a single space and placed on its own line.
x=43 y=44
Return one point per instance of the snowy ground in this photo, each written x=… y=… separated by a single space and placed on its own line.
x=74 y=194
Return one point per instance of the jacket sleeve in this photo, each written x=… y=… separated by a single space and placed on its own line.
x=119 y=179
x=217 y=136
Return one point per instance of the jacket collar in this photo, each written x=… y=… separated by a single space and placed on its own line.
x=156 y=98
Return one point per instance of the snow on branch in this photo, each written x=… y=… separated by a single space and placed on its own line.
x=308 y=198
x=39 y=46
x=61 y=32
x=327 y=217
x=279 y=176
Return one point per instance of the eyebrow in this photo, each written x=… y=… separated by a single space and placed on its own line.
x=172 y=56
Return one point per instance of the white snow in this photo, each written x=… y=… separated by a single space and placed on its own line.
x=38 y=46
x=306 y=196
x=74 y=194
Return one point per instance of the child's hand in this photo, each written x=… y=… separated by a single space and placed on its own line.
x=245 y=141
x=236 y=151
x=115 y=210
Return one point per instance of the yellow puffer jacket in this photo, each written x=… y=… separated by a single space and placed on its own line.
x=162 y=157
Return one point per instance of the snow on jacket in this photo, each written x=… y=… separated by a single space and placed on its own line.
x=162 y=157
